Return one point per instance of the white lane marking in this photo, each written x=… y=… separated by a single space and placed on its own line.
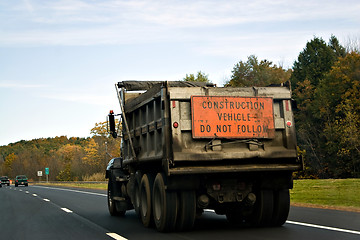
x=313 y=226
x=66 y=210
x=209 y=210
x=113 y=235
x=116 y=236
x=71 y=190
x=27 y=192
x=20 y=190
x=324 y=227
x=34 y=195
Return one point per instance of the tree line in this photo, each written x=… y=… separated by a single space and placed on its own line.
x=325 y=81
x=68 y=159
x=326 y=84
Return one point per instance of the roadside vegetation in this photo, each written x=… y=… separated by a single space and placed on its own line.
x=327 y=193
x=89 y=185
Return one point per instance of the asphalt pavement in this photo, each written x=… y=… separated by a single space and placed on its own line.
x=41 y=212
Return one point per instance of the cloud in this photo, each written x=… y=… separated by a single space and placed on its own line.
x=198 y=13
x=20 y=85
x=79 y=97
x=28 y=6
x=75 y=22
x=55 y=93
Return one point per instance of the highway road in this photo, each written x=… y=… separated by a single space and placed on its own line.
x=40 y=212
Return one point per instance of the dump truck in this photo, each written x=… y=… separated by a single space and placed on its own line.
x=187 y=147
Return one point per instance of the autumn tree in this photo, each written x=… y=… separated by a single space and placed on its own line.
x=64 y=156
x=67 y=155
x=255 y=73
x=100 y=129
x=8 y=164
x=338 y=104
x=312 y=65
x=91 y=153
x=108 y=147
x=98 y=151
x=347 y=136
x=326 y=87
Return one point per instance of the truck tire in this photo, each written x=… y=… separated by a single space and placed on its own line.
x=263 y=209
x=136 y=196
x=187 y=210
x=281 y=207
x=111 y=202
x=164 y=205
x=146 y=187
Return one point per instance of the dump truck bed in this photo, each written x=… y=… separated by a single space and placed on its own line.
x=188 y=128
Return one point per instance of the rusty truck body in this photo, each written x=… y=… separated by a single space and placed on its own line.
x=190 y=146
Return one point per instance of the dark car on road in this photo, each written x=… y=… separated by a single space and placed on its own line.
x=21 y=180
x=5 y=180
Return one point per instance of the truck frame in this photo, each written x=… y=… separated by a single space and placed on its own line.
x=190 y=146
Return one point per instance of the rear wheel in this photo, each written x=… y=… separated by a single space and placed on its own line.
x=187 y=210
x=136 y=198
x=111 y=202
x=164 y=205
x=146 y=187
x=281 y=207
x=263 y=209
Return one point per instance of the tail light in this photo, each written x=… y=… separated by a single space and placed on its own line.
x=216 y=187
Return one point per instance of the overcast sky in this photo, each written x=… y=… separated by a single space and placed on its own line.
x=59 y=60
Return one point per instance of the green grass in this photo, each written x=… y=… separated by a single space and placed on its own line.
x=102 y=186
x=327 y=192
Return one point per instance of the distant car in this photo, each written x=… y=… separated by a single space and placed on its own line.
x=5 y=180
x=0 y=184
x=21 y=180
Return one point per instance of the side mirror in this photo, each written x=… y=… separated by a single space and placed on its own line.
x=111 y=123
